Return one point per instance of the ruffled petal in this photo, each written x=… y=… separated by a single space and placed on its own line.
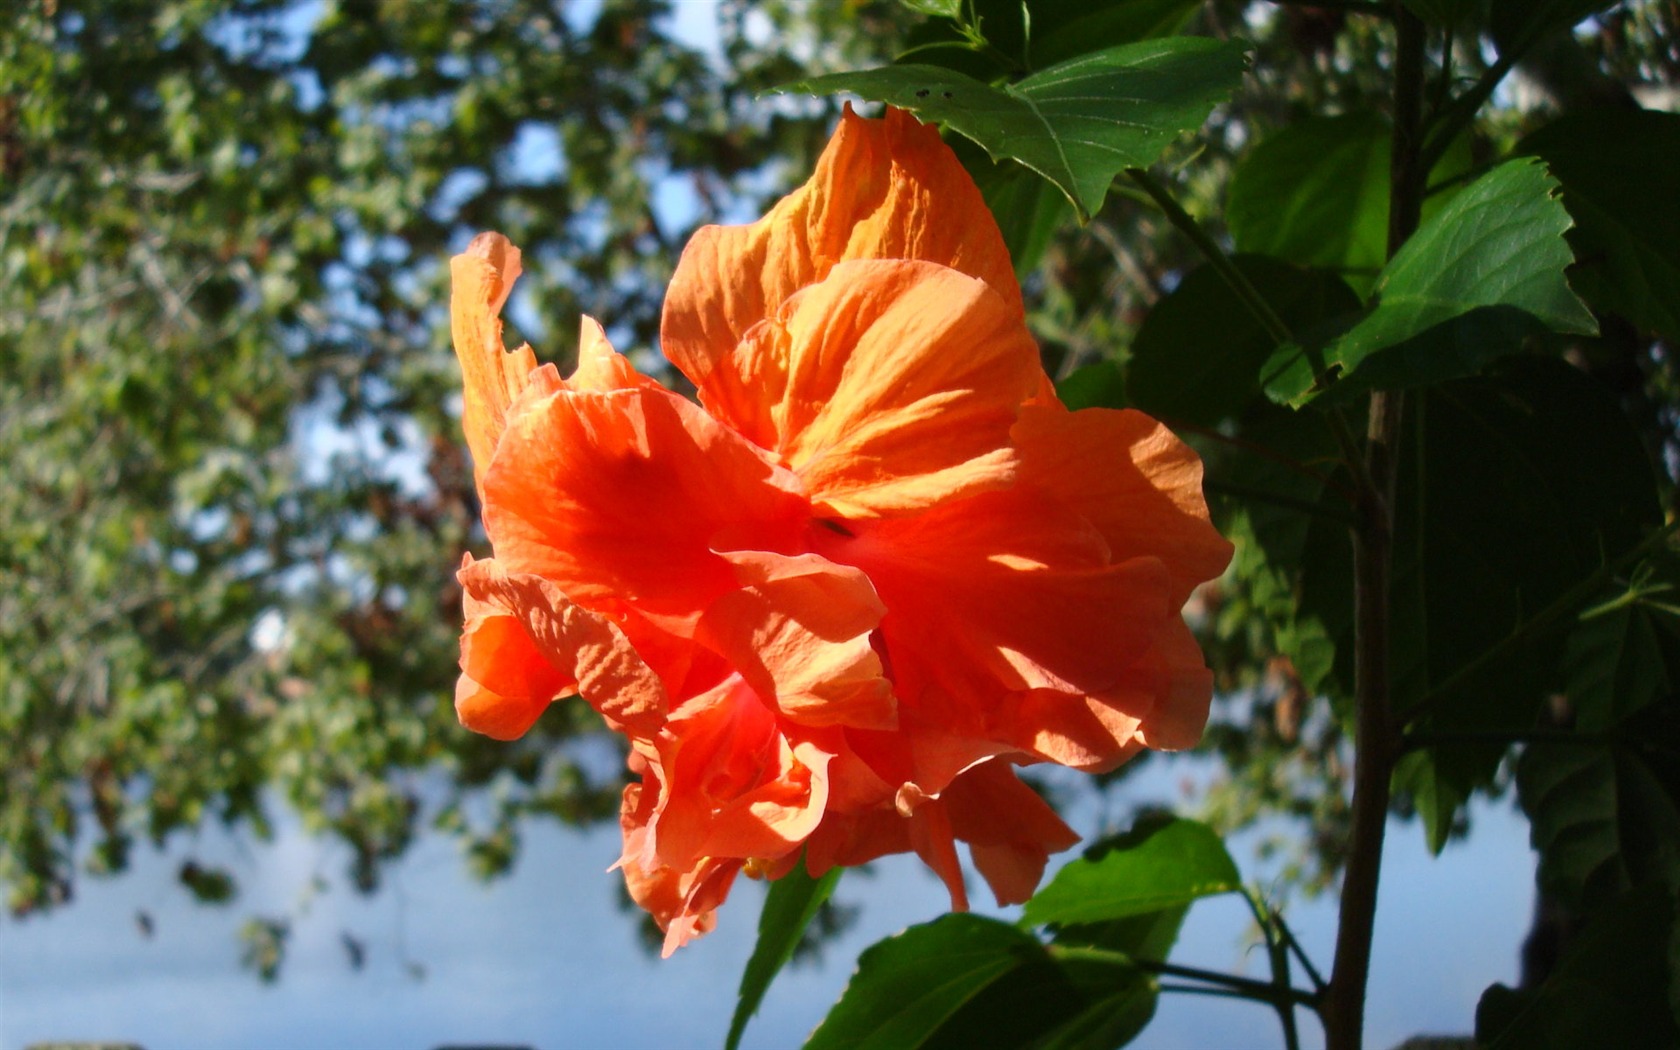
x=883 y=189
x=506 y=682
x=798 y=630
x=1010 y=830
x=623 y=497
x=492 y=376
x=682 y=901
x=553 y=644
x=738 y=781
x=1133 y=480
x=888 y=387
x=995 y=596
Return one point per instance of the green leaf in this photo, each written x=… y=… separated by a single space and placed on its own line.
x=1609 y=989
x=1029 y=211
x=1442 y=12
x=966 y=980
x=1316 y=193
x=1617 y=169
x=1518 y=24
x=1159 y=864
x=1615 y=666
x=790 y=905
x=1060 y=30
x=1079 y=123
x=1197 y=356
x=1569 y=794
x=1296 y=563
x=1096 y=385
x=1486 y=460
x=937 y=8
x=1470 y=285
x=1120 y=1001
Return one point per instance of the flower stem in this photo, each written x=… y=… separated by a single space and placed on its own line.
x=1375 y=737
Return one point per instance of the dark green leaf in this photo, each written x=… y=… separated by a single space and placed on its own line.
x=1097 y=385
x=1569 y=793
x=1466 y=289
x=964 y=980
x=789 y=907
x=1197 y=355
x=1609 y=989
x=1316 y=194
x=1487 y=460
x=1615 y=666
x=1160 y=863
x=1618 y=174
x=208 y=885
x=1442 y=12
x=1028 y=209
x=1148 y=936
x=1120 y=1001
x=1079 y=123
x=1518 y=24
x=1060 y=30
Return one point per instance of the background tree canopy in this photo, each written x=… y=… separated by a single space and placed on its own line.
x=237 y=488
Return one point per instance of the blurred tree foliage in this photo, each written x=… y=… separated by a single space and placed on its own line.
x=235 y=487
x=235 y=483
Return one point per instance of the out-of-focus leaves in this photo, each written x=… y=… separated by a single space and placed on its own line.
x=1078 y=123
x=208 y=885
x=230 y=410
x=1617 y=171
x=1198 y=353
x=1466 y=289
x=1517 y=24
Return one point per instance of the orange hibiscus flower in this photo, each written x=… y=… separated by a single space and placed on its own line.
x=879 y=566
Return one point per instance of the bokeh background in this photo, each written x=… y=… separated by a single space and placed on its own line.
x=236 y=809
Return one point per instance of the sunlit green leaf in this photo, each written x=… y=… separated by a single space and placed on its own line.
x=789 y=906
x=1079 y=123
x=1466 y=289
x=1158 y=864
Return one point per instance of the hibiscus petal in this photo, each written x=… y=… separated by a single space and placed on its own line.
x=492 y=376
x=682 y=901
x=883 y=189
x=584 y=652
x=1131 y=478
x=506 y=682
x=798 y=631
x=1010 y=830
x=738 y=781
x=621 y=497
x=890 y=386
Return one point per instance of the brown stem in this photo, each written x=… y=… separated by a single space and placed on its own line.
x=1375 y=739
